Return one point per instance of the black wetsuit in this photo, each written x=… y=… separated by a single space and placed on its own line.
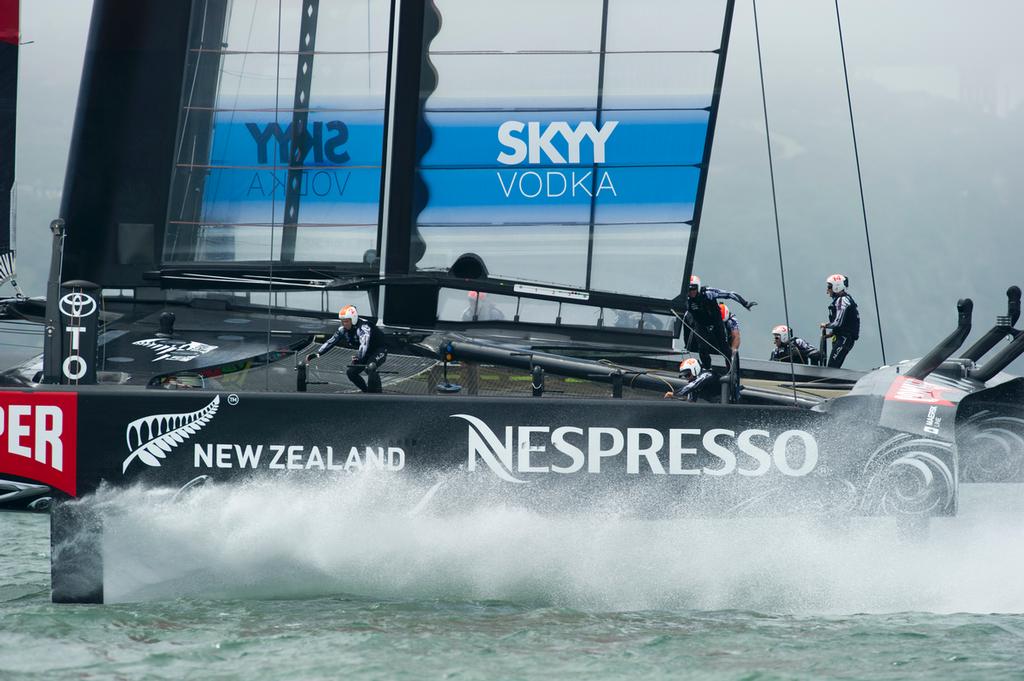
x=704 y=387
x=796 y=350
x=708 y=333
x=371 y=348
x=844 y=325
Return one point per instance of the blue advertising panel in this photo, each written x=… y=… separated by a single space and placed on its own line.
x=340 y=180
x=481 y=168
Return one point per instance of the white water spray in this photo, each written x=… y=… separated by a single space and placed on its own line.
x=376 y=536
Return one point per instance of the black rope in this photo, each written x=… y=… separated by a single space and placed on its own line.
x=860 y=183
x=775 y=202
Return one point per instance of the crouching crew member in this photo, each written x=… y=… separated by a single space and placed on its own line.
x=790 y=348
x=357 y=333
x=704 y=330
x=843 y=320
x=700 y=383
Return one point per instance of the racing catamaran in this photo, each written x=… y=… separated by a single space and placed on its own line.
x=238 y=173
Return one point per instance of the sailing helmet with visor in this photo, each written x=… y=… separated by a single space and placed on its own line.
x=838 y=282
x=349 y=312
x=689 y=366
x=781 y=332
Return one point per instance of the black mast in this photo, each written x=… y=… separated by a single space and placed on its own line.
x=414 y=25
x=123 y=144
x=9 y=35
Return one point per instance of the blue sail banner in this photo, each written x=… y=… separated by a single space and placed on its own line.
x=482 y=167
x=340 y=180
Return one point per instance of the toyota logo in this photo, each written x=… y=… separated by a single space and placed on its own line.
x=77 y=305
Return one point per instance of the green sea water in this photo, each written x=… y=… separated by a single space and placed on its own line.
x=278 y=583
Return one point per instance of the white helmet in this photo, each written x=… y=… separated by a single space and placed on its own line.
x=694 y=281
x=349 y=312
x=691 y=364
x=837 y=282
x=783 y=332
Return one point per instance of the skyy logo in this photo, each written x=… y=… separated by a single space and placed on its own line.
x=321 y=143
x=568 y=449
x=554 y=143
x=38 y=438
x=313 y=139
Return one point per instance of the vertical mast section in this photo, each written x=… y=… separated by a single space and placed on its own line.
x=301 y=142
x=716 y=97
x=9 y=37
x=411 y=79
x=598 y=115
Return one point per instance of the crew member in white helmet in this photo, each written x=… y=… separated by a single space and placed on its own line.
x=700 y=383
x=357 y=333
x=790 y=348
x=843 y=319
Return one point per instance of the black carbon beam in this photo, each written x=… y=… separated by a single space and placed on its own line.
x=52 y=345
x=410 y=80
x=76 y=554
x=301 y=142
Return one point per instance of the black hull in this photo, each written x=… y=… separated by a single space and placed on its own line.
x=634 y=458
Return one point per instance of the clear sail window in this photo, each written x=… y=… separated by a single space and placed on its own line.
x=580 y=165
x=248 y=184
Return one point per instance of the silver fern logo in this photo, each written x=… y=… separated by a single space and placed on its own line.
x=175 y=350
x=152 y=437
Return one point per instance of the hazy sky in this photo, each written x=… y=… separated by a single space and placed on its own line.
x=937 y=91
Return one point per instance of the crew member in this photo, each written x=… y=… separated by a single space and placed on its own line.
x=704 y=329
x=843 y=320
x=790 y=348
x=700 y=383
x=480 y=309
x=732 y=331
x=357 y=333
x=732 y=327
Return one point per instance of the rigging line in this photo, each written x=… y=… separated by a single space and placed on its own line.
x=273 y=195
x=775 y=202
x=860 y=183
x=369 y=59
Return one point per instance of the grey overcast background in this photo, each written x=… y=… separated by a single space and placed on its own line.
x=937 y=89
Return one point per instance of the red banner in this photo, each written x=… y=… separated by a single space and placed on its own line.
x=9 y=21
x=38 y=437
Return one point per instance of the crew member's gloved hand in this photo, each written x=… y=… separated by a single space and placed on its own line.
x=749 y=304
x=311 y=356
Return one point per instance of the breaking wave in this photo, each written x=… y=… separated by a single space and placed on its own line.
x=378 y=536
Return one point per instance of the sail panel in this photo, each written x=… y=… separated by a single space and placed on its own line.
x=581 y=165
x=665 y=25
x=238 y=140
